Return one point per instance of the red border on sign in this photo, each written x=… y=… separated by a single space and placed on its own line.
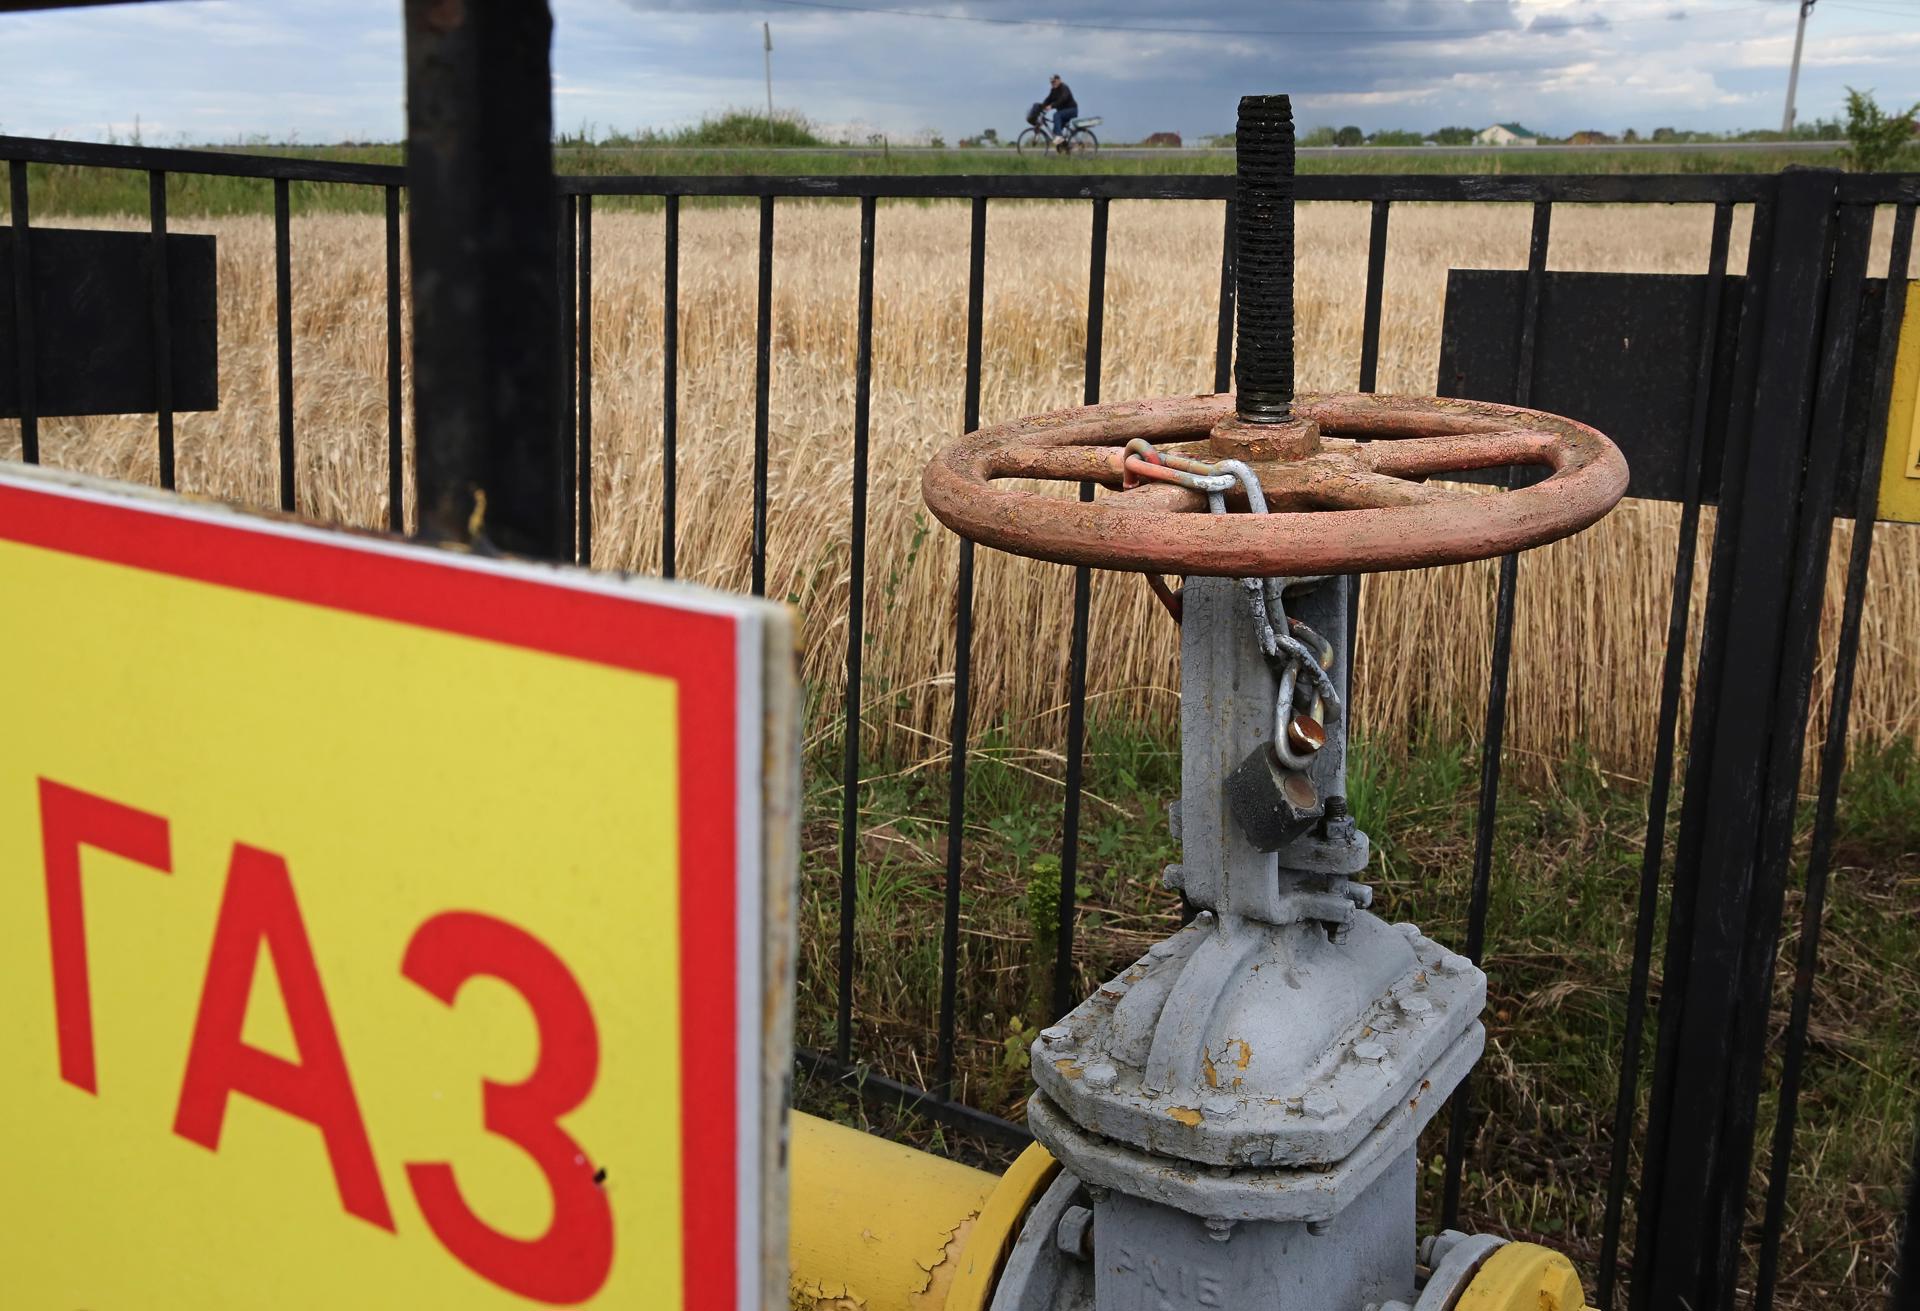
x=624 y=632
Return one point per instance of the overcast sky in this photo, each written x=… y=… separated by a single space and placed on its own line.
x=328 y=70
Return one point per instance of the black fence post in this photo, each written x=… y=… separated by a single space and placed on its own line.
x=486 y=310
x=1849 y=272
x=1743 y=776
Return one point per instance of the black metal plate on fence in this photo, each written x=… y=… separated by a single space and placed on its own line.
x=93 y=323
x=1619 y=351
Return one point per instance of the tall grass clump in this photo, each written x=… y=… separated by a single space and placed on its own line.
x=787 y=129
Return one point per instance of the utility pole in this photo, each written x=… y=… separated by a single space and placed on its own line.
x=766 y=38
x=1793 y=78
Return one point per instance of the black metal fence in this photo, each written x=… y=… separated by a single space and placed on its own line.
x=1792 y=443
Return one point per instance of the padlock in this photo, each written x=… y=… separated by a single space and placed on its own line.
x=1273 y=804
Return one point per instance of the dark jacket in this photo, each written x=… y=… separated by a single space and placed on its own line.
x=1060 y=97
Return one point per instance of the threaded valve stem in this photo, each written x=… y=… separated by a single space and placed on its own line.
x=1263 y=231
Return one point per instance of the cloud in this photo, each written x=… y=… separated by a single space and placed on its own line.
x=212 y=70
x=1835 y=52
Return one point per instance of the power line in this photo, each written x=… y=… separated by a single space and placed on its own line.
x=1525 y=28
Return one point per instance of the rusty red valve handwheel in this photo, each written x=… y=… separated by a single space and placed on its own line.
x=1345 y=485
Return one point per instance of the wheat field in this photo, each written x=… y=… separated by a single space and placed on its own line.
x=1591 y=611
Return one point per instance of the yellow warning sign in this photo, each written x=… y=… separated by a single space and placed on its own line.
x=1900 y=466
x=378 y=926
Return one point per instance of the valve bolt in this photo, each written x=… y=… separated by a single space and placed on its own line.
x=1075 y=1234
x=1220 y=1106
x=1318 y=1105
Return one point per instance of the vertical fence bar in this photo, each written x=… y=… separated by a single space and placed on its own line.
x=1833 y=750
x=1063 y=989
x=1369 y=374
x=1096 y=312
x=283 y=332
x=396 y=451
x=1496 y=720
x=1223 y=329
x=856 y=633
x=584 y=473
x=962 y=678
x=24 y=359
x=566 y=269
x=1660 y=786
x=159 y=309
x=762 y=383
x=1376 y=292
x=670 y=387
x=1743 y=774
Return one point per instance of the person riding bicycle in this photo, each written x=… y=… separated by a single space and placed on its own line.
x=1060 y=101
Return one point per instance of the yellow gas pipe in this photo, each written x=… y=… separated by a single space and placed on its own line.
x=876 y=1226
x=1524 y=1277
x=880 y=1227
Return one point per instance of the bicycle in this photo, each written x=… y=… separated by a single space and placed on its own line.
x=1078 y=139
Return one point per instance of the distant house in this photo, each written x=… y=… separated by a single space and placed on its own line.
x=1506 y=134
x=1163 y=139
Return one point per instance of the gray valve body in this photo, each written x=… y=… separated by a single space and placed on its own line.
x=1236 y=1112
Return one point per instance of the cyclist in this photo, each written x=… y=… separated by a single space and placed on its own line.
x=1060 y=101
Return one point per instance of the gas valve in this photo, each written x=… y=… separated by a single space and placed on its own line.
x=1235 y=1113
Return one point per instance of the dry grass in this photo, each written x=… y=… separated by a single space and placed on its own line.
x=1425 y=636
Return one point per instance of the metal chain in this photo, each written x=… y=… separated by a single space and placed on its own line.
x=1296 y=653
